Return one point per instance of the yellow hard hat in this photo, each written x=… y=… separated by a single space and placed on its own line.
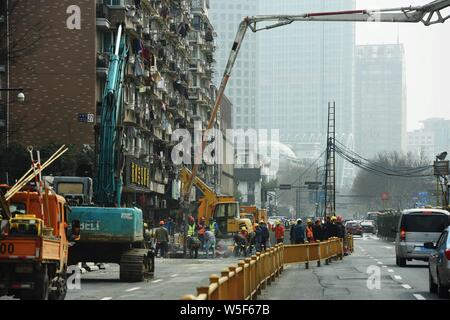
x=262 y=221
x=333 y=218
x=278 y=222
x=309 y=221
x=244 y=229
x=145 y=225
x=255 y=224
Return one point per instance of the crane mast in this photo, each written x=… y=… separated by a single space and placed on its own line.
x=428 y=14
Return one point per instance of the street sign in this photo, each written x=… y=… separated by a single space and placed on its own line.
x=308 y=183
x=285 y=187
x=441 y=168
x=385 y=196
x=313 y=185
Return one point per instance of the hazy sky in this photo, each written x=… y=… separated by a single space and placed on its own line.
x=427 y=54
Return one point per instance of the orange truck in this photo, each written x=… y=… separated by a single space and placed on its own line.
x=34 y=246
x=253 y=213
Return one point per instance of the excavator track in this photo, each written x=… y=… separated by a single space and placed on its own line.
x=136 y=265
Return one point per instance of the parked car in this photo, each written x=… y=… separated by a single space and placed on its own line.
x=354 y=228
x=368 y=226
x=439 y=265
x=416 y=227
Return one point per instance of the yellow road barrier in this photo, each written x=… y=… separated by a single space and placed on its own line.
x=246 y=280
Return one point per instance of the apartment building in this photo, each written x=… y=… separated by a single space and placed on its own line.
x=167 y=83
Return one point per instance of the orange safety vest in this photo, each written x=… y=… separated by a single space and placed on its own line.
x=309 y=233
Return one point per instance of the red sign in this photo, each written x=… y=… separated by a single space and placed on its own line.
x=385 y=196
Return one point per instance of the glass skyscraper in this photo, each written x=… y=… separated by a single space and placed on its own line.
x=301 y=68
x=225 y=17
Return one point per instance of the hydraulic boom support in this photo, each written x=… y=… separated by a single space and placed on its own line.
x=428 y=14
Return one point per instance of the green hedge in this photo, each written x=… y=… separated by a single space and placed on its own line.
x=386 y=222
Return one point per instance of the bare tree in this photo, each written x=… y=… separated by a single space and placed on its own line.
x=370 y=185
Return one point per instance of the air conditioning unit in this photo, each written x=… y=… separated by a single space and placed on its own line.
x=146 y=30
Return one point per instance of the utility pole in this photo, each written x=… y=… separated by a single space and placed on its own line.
x=330 y=167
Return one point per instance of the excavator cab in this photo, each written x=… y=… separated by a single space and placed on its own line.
x=226 y=215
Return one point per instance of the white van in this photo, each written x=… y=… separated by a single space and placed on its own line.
x=416 y=227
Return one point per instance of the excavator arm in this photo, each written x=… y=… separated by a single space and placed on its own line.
x=185 y=177
x=108 y=187
x=428 y=14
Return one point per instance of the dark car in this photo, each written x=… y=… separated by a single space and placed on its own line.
x=354 y=228
x=439 y=265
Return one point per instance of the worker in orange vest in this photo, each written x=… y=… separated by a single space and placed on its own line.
x=309 y=231
x=279 y=232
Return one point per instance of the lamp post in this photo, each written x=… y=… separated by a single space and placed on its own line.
x=20 y=99
x=441 y=170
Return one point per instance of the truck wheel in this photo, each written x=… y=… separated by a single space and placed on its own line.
x=41 y=291
x=61 y=288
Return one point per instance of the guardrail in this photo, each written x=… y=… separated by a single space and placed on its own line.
x=246 y=280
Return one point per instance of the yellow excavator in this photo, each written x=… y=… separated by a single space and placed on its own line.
x=223 y=208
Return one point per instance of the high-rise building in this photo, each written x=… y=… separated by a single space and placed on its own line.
x=380 y=99
x=432 y=139
x=301 y=68
x=226 y=17
x=167 y=83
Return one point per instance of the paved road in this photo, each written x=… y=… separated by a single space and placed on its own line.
x=173 y=279
x=348 y=279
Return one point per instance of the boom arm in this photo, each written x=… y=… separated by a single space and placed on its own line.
x=108 y=187
x=186 y=176
x=428 y=14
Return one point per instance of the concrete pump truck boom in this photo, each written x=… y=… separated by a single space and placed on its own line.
x=111 y=233
x=428 y=14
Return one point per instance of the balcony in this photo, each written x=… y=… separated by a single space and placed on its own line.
x=102 y=64
x=102 y=15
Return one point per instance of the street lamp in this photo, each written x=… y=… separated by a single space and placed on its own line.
x=20 y=96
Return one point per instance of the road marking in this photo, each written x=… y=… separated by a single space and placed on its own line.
x=174 y=275
x=419 y=297
x=397 y=277
x=379 y=262
x=107 y=298
x=133 y=289
x=390 y=270
x=156 y=281
x=389 y=248
x=384 y=266
x=406 y=286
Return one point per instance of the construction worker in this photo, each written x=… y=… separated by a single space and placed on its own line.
x=201 y=229
x=334 y=228
x=299 y=232
x=210 y=243
x=342 y=233
x=318 y=230
x=162 y=239
x=191 y=227
x=241 y=241
x=258 y=237
x=264 y=235
x=279 y=232
x=309 y=231
x=213 y=226
x=291 y=233
x=327 y=228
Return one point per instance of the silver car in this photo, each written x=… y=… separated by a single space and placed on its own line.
x=416 y=227
x=439 y=265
